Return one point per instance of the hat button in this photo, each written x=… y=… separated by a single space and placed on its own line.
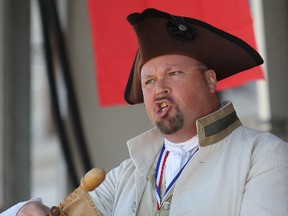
x=182 y=27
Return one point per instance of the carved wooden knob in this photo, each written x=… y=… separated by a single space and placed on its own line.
x=92 y=179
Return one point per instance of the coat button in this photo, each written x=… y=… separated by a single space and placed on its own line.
x=134 y=207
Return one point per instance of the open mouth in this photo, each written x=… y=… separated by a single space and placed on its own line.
x=162 y=108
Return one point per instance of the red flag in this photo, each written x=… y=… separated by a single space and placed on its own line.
x=115 y=46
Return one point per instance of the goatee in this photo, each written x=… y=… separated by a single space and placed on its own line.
x=172 y=124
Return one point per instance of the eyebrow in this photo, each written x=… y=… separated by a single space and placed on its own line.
x=146 y=76
x=168 y=68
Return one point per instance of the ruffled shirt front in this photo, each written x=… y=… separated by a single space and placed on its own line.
x=179 y=155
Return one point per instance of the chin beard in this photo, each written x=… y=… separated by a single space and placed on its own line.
x=171 y=125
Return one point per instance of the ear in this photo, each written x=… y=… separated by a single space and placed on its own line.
x=211 y=79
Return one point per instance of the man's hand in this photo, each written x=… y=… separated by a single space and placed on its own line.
x=33 y=208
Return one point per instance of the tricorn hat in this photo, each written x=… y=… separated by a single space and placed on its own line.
x=159 y=33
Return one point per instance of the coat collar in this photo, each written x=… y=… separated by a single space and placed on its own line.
x=217 y=125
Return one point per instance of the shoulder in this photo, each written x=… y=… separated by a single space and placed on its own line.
x=124 y=167
x=259 y=138
x=267 y=150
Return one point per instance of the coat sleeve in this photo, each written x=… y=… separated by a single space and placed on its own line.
x=13 y=210
x=104 y=195
x=266 y=190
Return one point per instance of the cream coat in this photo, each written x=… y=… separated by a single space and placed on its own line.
x=236 y=172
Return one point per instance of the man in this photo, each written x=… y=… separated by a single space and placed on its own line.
x=199 y=159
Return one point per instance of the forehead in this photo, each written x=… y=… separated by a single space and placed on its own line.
x=166 y=62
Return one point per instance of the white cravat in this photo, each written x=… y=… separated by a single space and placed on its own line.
x=179 y=154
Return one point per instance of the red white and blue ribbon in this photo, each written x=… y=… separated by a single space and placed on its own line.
x=159 y=175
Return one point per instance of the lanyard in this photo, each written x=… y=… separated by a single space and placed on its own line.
x=159 y=174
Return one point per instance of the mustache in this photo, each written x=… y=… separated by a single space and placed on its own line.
x=166 y=97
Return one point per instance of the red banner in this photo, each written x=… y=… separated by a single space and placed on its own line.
x=115 y=46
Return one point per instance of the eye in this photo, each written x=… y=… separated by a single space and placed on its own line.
x=149 y=81
x=174 y=73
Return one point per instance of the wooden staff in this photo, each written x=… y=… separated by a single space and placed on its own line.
x=79 y=202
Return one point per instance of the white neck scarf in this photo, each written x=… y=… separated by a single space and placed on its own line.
x=179 y=155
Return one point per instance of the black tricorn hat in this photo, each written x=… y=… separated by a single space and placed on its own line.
x=159 y=33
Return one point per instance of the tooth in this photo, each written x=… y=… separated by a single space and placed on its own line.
x=163 y=105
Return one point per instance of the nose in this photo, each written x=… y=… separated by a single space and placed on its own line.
x=161 y=88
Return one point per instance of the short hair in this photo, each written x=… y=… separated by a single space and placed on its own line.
x=203 y=68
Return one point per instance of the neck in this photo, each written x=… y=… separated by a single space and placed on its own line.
x=180 y=136
x=187 y=133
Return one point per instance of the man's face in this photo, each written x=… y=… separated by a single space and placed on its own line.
x=176 y=94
